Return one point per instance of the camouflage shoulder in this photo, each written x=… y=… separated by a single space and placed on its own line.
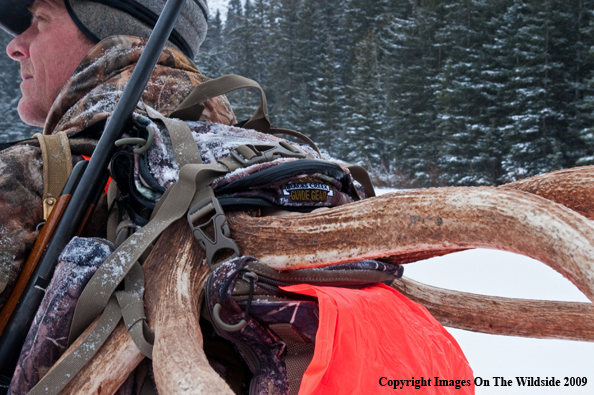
x=21 y=189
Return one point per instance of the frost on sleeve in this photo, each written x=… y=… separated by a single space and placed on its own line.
x=21 y=188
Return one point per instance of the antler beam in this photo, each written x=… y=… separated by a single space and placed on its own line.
x=503 y=316
x=429 y=221
x=176 y=273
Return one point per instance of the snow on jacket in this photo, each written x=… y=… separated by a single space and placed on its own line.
x=88 y=97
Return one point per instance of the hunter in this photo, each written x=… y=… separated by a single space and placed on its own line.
x=76 y=56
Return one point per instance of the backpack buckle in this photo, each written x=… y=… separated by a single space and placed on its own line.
x=251 y=154
x=213 y=234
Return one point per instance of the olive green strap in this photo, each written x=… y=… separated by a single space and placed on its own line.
x=132 y=308
x=193 y=180
x=182 y=142
x=122 y=303
x=57 y=378
x=299 y=136
x=192 y=107
x=57 y=166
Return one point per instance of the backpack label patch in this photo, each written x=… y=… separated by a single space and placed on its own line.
x=307 y=189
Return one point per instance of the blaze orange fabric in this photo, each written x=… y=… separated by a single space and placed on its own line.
x=370 y=338
x=108 y=181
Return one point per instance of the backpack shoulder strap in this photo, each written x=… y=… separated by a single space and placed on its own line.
x=57 y=166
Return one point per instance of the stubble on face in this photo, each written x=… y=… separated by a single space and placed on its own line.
x=48 y=52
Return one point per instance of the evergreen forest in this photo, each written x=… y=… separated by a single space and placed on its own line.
x=421 y=92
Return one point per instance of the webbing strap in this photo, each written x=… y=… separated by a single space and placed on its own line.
x=361 y=175
x=132 y=310
x=122 y=302
x=57 y=166
x=298 y=356
x=193 y=178
x=182 y=142
x=60 y=375
x=301 y=136
x=192 y=107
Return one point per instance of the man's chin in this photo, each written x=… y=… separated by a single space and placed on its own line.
x=30 y=113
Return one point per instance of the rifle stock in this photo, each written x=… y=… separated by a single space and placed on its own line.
x=12 y=339
x=39 y=247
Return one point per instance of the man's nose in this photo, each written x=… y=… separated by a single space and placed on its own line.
x=18 y=48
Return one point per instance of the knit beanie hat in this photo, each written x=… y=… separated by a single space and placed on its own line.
x=99 y=19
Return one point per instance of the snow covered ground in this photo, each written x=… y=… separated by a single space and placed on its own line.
x=500 y=273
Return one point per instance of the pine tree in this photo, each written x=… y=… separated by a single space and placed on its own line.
x=539 y=60
x=365 y=140
x=327 y=111
x=413 y=62
x=580 y=82
x=471 y=152
x=283 y=79
x=211 y=56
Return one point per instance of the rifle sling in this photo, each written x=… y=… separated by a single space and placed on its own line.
x=57 y=166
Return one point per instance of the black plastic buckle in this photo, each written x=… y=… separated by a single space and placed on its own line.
x=266 y=153
x=220 y=239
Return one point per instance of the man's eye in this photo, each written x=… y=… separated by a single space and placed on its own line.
x=39 y=18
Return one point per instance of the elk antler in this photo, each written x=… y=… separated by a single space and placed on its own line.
x=503 y=316
x=573 y=188
x=176 y=273
x=403 y=225
x=429 y=221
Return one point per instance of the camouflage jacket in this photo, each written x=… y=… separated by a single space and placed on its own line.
x=88 y=97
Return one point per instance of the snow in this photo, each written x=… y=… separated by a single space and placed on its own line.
x=501 y=273
x=220 y=5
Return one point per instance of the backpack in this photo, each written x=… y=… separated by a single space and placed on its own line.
x=242 y=167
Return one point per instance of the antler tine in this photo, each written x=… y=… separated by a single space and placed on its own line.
x=176 y=273
x=403 y=225
x=573 y=188
x=109 y=368
x=503 y=316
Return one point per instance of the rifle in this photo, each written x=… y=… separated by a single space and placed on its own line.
x=91 y=183
x=42 y=241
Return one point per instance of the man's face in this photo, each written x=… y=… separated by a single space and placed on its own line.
x=48 y=51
